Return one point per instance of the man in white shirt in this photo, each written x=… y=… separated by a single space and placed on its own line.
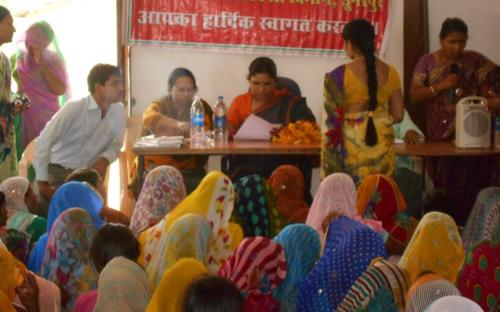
x=84 y=133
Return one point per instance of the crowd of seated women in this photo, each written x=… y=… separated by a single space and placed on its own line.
x=254 y=245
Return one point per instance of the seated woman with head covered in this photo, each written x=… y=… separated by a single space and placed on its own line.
x=277 y=106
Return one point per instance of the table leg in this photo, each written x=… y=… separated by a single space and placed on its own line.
x=140 y=173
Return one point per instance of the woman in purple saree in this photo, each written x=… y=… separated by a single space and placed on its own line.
x=440 y=79
x=41 y=74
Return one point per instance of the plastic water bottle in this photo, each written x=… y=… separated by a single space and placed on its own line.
x=220 y=122
x=197 y=133
x=497 y=131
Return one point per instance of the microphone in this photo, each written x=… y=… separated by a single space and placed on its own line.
x=454 y=69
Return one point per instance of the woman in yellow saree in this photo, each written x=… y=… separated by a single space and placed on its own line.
x=362 y=99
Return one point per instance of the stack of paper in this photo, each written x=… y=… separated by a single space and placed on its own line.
x=163 y=141
x=255 y=128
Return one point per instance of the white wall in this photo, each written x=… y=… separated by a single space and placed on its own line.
x=482 y=18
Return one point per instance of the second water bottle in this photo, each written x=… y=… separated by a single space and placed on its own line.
x=197 y=133
x=220 y=122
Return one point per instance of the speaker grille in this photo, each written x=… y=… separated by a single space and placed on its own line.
x=476 y=124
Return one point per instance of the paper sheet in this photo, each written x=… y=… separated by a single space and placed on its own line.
x=164 y=141
x=255 y=128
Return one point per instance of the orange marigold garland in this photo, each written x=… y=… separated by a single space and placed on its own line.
x=300 y=132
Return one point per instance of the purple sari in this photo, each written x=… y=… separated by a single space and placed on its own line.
x=44 y=104
x=461 y=177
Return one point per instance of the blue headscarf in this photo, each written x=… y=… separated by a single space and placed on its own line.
x=349 y=249
x=70 y=195
x=302 y=247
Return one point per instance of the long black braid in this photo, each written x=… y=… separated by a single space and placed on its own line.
x=361 y=34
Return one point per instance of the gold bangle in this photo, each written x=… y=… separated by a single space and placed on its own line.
x=433 y=90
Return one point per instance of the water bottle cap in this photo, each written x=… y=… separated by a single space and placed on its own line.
x=220 y=98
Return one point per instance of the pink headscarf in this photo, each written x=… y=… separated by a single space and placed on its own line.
x=336 y=194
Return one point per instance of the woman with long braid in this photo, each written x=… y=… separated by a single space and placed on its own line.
x=362 y=99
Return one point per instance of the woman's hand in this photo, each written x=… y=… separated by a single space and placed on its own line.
x=36 y=54
x=450 y=82
x=184 y=128
x=411 y=137
x=493 y=101
x=28 y=292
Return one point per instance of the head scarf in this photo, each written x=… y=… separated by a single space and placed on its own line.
x=256 y=267
x=86 y=302
x=123 y=286
x=170 y=293
x=69 y=195
x=435 y=246
x=423 y=295
x=162 y=191
x=10 y=272
x=382 y=301
x=299 y=261
x=379 y=198
x=212 y=199
x=484 y=220
x=350 y=247
x=66 y=261
x=336 y=194
x=17 y=242
x=252 y=206
x=188 y=237
x=479 y=279
x=41 y=36
x=15 y=189
x=11 y=276
x=288 y=187
x=380 y=274
x=455 y=304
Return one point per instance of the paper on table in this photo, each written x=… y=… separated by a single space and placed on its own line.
x=255 y=128
x=164 y=141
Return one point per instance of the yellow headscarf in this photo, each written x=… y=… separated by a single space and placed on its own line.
x=435 y=247
x=212 y=199
x=188 y=237
x=170 y=293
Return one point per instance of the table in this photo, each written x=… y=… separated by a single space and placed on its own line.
x=424 y=150
x=440 y=149
x=232 y=148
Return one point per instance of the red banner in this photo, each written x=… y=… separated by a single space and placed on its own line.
x=298 y=26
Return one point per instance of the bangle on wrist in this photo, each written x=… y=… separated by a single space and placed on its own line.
x=433 y=90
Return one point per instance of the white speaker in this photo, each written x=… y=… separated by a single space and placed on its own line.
x=472 y=123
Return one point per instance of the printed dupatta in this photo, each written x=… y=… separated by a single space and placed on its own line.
x=212 y=199
x=333 y=151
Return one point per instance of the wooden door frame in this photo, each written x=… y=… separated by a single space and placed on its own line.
x=416 y=43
